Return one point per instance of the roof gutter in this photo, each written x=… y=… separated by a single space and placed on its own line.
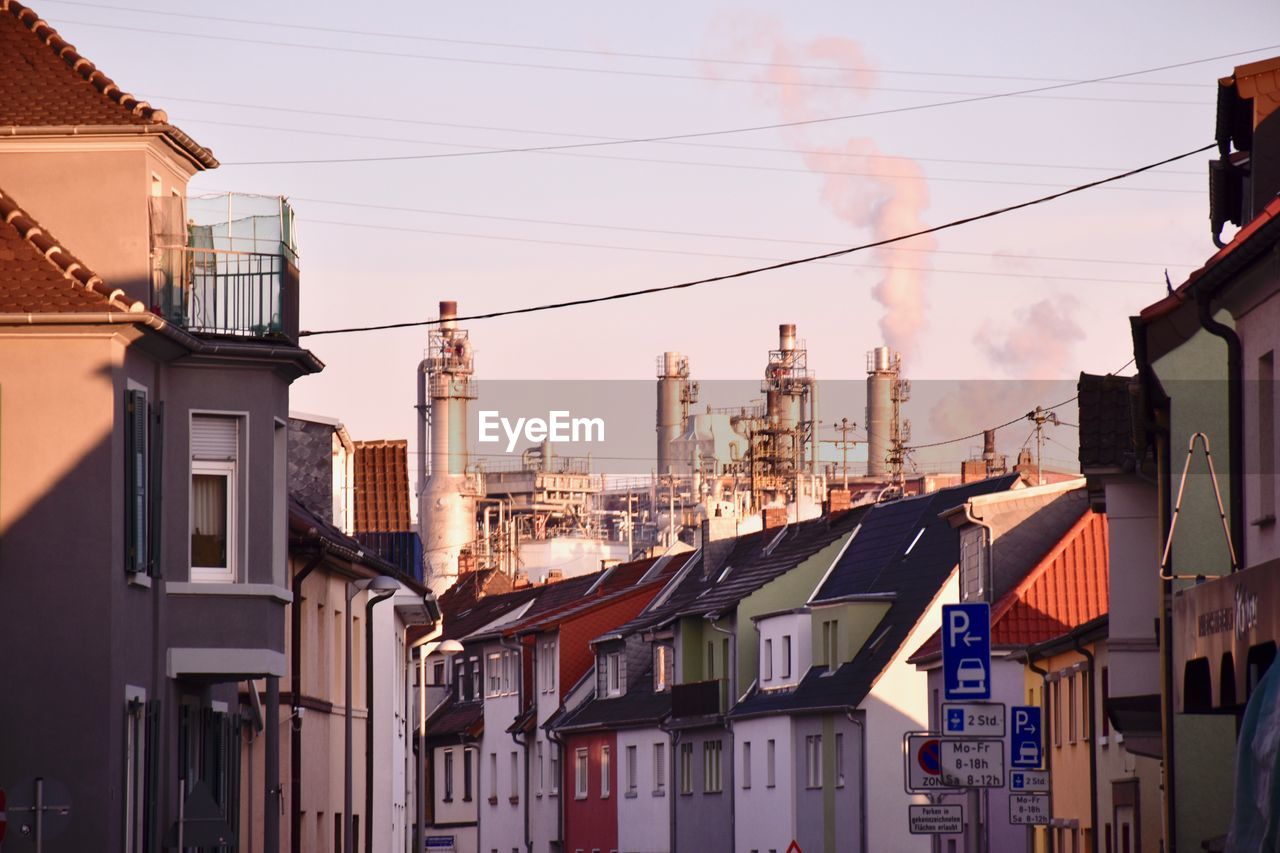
x=1235 y=414
x=200 y=155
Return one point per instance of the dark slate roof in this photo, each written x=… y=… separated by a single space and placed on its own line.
x=885 y=557
x=615 y=583
x=464 y=613
x=639 y=706
x=455 y=719
x=750 y=568
x=1106 y=422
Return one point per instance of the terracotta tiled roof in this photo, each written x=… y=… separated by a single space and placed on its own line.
x=1066 y=589
x=46 y=83
x=38 y=276
x=382 y=486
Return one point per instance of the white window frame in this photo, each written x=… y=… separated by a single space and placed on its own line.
x=606 y=772
x=659 y=769
x=746 y=765
x=493 y=673
x=633 y=772
x=767 y=660
x=712 y=769
x=235 y=496
x=581 y=772
x=771 y=764
x=839 y=759
x=786 y=655
x=813 y=761
x=538 y=748
x=554 y=787
x=446 y=771
x=686 y=768
x=515 y=776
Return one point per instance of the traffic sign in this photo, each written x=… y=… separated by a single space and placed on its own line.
x=935 y=820
x=1028 y=780
x=1025 y=741
x=923 y=763
x=972 y=762
x=966 y=651
x=1028 y=809
x=973 y=719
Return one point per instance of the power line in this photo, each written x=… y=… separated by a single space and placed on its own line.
x=678 y=233
x=701 y=254
x=700 y=164
x=770 y=267
x=619 y=72
x=533 y=132
x=612 y=54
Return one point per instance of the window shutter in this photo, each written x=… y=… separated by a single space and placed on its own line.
x=136 y=556
x=152 y=786
x=157 y=481
x=214 y=437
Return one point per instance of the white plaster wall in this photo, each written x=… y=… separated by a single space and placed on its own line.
x=898 y=703
x=1259 y=334
x=389 y=780
x=798 y=627
x=544 y=808
x=1134 y=543
x=764 y=817
x=644 y=821
x=501 y=821
x=458 y=810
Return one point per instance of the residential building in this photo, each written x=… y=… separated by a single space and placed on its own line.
x=133 y=402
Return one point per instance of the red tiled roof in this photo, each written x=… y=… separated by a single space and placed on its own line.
x=382 y=486
x=38 y=276
x=1067 y=588
x=46 y=83
x=1180 y=295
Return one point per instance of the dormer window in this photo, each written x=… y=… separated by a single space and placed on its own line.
x=611 y=676
x=664 y=667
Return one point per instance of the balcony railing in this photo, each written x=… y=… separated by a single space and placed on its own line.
x=220 y=292
x=697 y=698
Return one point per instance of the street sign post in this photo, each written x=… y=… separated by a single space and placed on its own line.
x=923 y=763
x=972 y=762
x=1026 y=738
x=973 y=719
x=1029 y=809
x=935 y=819
x=1028 y=781
x=966 y=651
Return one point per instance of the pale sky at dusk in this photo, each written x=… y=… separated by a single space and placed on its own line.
x=968 y=305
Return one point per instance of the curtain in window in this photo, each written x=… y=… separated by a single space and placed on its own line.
x=209 y=520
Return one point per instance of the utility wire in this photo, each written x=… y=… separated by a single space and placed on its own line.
x=532 y=132
x=612 y=54
x=749 y=167
x=619 y=72
x=771 y=267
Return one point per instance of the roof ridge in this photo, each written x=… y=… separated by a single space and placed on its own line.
x=66 y=264
x=82 y=67
x=1007 y=601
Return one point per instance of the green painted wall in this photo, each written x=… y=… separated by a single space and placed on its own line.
x=791 y=589
x=857 y=620
x=693 y=650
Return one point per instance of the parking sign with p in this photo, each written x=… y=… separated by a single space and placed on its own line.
x=966 y=650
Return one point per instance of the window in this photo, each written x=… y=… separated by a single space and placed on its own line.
x=831 y=643
x=547 y=666
x=495 y=666
x=580 y=774
x=448 y=775
x=659 y=768
x=515 y=777
x=1086 y=699
x=1055 y=689
x=541 y=778
x=711 y=660
x=606 y=771
x=746 y=764
x=664 y=668
x=839 y=760
x=215 y=450
x=135 y=756
x=1106 y=694
x=632 y=772
x=768 y=661
x=437 y=673
x=493 y=777
x=555 y=769
x=475 y=678
x=786 y=655
x=1268 y=452
x=468 y=758
x=686 y=768
x=712 y=780
x=770 y=765
x=813 y=761
x=614 y=670
x=1071 y=708
x=141 y=471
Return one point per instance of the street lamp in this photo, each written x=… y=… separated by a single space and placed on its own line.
x=385 y=587
x=447 y=648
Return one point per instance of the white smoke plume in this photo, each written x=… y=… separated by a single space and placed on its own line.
x=1039 y=342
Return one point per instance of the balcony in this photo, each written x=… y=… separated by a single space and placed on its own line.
x=226 y=265
x=697 y=698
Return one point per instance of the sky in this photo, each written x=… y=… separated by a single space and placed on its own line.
x=1041 y=293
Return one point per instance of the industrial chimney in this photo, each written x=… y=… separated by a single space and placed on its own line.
x=675 y=394
x=881 y=375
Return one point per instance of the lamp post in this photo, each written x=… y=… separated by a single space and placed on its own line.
x=448 y=648
x=384 y=586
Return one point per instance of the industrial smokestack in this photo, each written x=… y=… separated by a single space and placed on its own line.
x=674 y=396
x=880 y=379
x=786 y=336
x=448 y=313
x=989 y=446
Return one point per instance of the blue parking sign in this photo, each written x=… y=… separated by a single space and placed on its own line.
x=1026 y=737
x=966 y=651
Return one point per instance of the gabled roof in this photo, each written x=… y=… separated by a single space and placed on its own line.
x=47 y=87
x=635 y=708
x=907 y=555
x=303 y=523
x=1067 y=588
x=39 y=276
x=382 y=486
x=453 y=720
